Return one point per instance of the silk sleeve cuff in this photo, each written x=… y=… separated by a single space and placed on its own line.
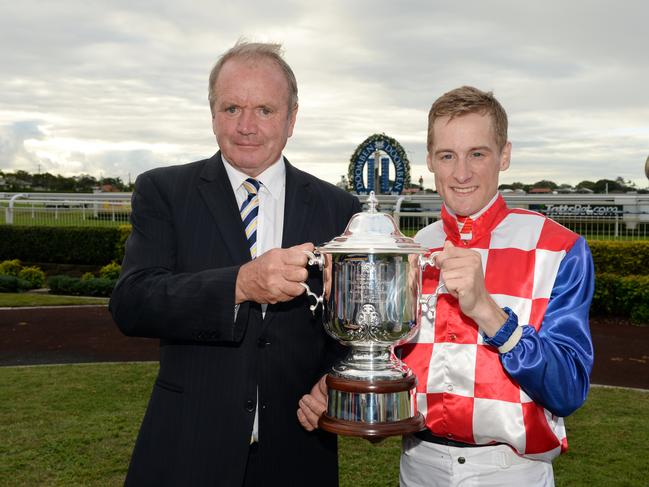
x=508 y=335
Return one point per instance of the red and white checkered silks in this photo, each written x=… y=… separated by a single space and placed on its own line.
x=463 y=390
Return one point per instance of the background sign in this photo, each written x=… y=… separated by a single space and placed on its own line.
x=363 y=180
x=587 y=210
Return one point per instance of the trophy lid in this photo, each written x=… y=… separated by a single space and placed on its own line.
x=372 y=232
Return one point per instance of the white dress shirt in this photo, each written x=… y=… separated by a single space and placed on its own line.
x=270 y=219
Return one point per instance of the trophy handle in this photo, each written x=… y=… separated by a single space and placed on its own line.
x=315 y=258
x=429 y=303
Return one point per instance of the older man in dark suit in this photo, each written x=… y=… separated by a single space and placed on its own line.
x=214 y=268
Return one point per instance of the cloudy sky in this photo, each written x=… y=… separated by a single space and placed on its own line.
x=113 y=88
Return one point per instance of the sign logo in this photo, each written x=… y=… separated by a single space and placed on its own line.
x=565 y=210
x=377 y=152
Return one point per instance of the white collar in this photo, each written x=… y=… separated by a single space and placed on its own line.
x=273 y=178
x=477 y=215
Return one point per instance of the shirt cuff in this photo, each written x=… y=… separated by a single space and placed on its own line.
x=508 y=335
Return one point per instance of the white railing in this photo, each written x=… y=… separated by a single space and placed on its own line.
x=601 y=216
x=39 y=209
x=613 y=216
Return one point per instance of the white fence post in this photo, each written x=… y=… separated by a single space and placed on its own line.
x=9 y=213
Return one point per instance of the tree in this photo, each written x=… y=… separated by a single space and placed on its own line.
x=518 y=185
x=626 y=183
x=586 y=184
x=608 y=186
x=116 y=183
x=23 y=176
x=514 y=186
x=85 y=184
x=545 y=184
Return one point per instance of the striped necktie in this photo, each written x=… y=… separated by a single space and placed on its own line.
x=465 y=225
x=249 y=211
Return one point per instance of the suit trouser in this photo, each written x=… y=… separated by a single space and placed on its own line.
x=431 y=465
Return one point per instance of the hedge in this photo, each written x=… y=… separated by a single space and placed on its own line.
x=100 y=245
x=74 y=286
x=12 y=284
x=33 y=275
x=622 y=288
x=623 y=258
x=626 y=296
x=63 y=245
x=14 y=277
x=124 y=232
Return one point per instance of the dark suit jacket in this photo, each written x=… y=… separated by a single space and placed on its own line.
x=178 y=285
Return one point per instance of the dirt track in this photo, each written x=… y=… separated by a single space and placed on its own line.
x=88 y=334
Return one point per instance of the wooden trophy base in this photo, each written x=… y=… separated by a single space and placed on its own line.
x=372 y=430
x=357 y=408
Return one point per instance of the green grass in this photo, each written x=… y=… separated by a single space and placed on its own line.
x=608 y=440
x=75 y=425
x=32 y=299
x=363 y=464
x=70 y=425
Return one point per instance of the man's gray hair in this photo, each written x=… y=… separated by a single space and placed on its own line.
x=251 y=51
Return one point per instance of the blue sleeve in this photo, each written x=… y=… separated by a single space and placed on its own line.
x=553 y=366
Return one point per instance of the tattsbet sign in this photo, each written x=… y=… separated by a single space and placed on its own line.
x=578 y=210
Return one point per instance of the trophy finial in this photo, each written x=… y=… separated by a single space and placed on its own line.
x=372 y=203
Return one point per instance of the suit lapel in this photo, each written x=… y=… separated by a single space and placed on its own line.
x=298 y=207
x=217 y=192
x=298 y=211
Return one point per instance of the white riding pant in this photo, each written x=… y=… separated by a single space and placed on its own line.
x=425 y=464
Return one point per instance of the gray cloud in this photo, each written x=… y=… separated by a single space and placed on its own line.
x=12 y=145
x=118 y=87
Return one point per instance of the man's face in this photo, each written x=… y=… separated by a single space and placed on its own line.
x=466 y=161
x=250 y=117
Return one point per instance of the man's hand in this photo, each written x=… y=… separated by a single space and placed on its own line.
x=274 y=276
x=461 y=272
x=313 y=405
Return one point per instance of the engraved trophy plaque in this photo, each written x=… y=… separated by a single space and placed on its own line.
x=373 y=305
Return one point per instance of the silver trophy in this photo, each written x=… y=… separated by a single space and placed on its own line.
x=373 y=305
